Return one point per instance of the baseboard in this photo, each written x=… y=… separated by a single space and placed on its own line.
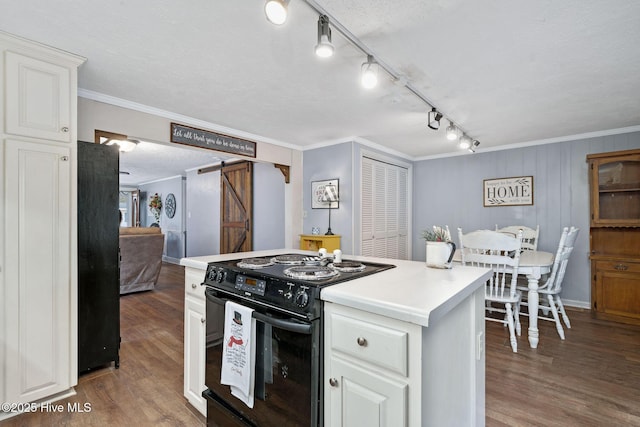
x=170 y=260
x=576 y=304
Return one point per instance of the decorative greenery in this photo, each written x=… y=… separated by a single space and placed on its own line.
x=438 y=234
x=155 y=206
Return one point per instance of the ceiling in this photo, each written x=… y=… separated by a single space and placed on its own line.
x=508 y=73
x=151 y=161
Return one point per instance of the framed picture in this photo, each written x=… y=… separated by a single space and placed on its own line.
x=318 y=200
x=515 y=191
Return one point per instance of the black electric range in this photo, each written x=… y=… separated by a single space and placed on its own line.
x=288 y=281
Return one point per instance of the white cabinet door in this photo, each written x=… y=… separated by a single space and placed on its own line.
x=194 y=352
x=37 y=228
x=362 y=398
x=38 y=98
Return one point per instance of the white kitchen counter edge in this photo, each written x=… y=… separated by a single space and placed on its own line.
x=410 y=292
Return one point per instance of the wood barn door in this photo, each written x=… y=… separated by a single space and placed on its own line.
x=236 y=207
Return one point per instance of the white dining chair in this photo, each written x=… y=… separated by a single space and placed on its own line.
x=529 y=235
x=501 y=253
x=553 y=285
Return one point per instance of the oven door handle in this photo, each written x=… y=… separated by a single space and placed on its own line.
x=290 y=325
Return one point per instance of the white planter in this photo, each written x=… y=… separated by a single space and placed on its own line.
x=440 y=254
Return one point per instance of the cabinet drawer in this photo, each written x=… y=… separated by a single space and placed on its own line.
x=192 y=280
x=621 y=266
x=370 y=342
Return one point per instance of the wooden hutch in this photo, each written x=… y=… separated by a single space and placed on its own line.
x=614 y=180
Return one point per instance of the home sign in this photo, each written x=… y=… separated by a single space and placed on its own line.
x=514 y=191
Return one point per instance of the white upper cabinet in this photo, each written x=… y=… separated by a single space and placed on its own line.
x=38 y=100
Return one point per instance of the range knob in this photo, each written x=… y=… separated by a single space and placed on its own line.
x=212 y=275
x=302 y=298
x=220 y=276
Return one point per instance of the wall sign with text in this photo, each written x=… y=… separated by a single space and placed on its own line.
x=514 y=191
x=214 y=141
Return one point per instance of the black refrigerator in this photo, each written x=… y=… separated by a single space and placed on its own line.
x=98 y=256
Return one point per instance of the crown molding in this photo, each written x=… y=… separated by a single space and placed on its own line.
x=119 y=102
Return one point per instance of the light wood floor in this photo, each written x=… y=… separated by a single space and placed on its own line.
x=590 y=379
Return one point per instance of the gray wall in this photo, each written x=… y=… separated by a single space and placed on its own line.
x=203 y=210
x=343 y=162
x=203 y=213
x=268 y=207
x=322 y=164
x=449 y=191
x=171 y=227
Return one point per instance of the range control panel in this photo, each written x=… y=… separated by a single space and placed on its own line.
x=281 y=293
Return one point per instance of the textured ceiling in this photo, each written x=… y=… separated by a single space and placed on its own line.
x=507 y=72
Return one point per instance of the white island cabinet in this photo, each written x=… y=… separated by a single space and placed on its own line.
x=403 y=347
x=195 y=330
x=194 y=338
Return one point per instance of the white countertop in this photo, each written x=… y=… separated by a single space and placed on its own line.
x=411 y=292
x=201 y=262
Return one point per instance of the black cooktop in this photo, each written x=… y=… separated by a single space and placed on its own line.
x=311 y=270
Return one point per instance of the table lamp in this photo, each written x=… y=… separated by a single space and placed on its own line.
x=330 y=196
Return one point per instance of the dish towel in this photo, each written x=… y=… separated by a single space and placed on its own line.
x=239 y=352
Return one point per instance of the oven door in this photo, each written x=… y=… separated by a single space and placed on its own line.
x=287 y=371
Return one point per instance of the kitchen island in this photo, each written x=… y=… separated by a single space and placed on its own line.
x=404 y=346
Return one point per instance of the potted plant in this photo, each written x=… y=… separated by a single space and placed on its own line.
x=440 y=248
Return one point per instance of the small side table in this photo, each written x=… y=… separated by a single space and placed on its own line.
x=313 y=242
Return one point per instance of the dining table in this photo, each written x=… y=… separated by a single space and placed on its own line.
x=533 y=264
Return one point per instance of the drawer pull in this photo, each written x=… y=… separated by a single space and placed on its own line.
x=361 y=342
x=621 y=267
x=203 y=320
x=193 y=285
x=333 y=382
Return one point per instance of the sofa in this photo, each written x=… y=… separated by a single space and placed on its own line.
x=140 y=258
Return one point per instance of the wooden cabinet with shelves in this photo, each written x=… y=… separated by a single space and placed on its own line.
x=615 y=188
x=313 y=242
x=615 y=235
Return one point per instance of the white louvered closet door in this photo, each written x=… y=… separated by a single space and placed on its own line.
x=385 y=210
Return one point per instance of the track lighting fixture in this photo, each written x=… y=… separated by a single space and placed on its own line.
x=276 y=11
x=473 y=147
x=452 y=132
x=369 y=76
x=434 y=119
x=465 y=142
x=324 y=48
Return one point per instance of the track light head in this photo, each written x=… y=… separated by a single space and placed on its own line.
x=452 y=132
x=473 y=147
x=369 y=75
x=465 y=142
x=324 y=48
x=434 y=119
x=276 y=11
